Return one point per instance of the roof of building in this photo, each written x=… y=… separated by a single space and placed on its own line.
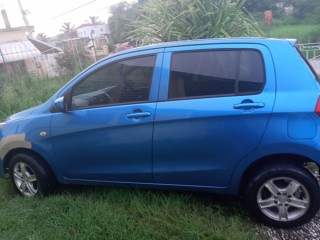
x=44 y=47
x=90 y=25
x=17 y=50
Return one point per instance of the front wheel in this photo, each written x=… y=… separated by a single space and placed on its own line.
x=29 y=176
x=283 y=195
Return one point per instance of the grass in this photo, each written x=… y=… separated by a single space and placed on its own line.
x=303 y=32
x=20 y=92
x=108 y=213
x=111 y=213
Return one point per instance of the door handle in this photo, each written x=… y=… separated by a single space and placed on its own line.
x=139 y=115
x=248 y=105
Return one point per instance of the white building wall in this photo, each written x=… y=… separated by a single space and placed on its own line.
x=96 y=30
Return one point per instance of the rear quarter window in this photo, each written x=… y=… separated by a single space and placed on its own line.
x=216 y=73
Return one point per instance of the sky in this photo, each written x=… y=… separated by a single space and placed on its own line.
x=48 y=16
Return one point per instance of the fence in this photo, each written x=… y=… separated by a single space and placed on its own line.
x=310 y=50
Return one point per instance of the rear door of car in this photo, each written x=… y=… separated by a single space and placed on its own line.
x=214 y=105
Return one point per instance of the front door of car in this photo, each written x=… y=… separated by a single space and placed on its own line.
x=106 y=135
x=215 y=103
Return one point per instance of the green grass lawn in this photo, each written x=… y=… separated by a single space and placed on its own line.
x=116 y=213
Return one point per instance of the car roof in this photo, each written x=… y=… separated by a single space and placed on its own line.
x=256 y=40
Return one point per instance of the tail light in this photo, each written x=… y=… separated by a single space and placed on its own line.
x=317 y=109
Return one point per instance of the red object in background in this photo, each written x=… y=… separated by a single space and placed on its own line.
x=268 y=17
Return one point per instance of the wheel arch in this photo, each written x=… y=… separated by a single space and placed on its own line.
x=29 y=152
x=294 y=159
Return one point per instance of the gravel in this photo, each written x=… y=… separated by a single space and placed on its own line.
x=308 y=231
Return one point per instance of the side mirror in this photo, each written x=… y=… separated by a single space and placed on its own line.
x=59 y=105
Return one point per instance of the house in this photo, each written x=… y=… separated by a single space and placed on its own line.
x=93 y=30
x=98 y=36
x=48 y=56
x=18 y=54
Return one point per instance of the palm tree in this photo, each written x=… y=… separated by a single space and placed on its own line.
x=94 y=20
x=67 y=30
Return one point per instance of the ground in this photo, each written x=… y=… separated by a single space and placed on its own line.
x=309 y=231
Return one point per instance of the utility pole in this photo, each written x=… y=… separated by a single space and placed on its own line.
x=24 y=17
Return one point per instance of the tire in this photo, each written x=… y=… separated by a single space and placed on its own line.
x=29 y=177
x=283 y=195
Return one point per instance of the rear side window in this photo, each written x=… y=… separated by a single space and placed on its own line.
x=308 y=64
x=216 y=73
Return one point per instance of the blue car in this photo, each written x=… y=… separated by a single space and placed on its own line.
x=232 y=116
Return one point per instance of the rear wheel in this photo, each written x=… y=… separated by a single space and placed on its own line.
x=283 y=195
x=29 y=176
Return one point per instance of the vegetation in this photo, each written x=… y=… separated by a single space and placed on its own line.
x=153 y=21
x=302 y=22
x=19 y=92
x=303 y=32
x=68 y=31
x=42 y=37
x=73 y=59
x=108 y=213
x=162 y=21
x=120 y=23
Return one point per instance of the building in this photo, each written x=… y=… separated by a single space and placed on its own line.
x=18 y=54
x=93 y=30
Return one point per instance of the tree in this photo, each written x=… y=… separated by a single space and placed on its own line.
x=171 y=20
x=42 y=37
x=120 y=23
x=306 y=10
x=67 y=30
x=94 y=20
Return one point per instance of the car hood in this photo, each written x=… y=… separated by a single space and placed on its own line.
x=22 y=114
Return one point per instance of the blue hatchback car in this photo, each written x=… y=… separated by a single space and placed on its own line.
x=229 y=116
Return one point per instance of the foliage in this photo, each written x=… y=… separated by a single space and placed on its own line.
x=305 y=11
x=68 y=31
x=108 y=213
x=170 y=20
x=304 y=33
x=120 y=23
x=94 y=20
x=73 y=59
x=42 y=37
x=19 y=92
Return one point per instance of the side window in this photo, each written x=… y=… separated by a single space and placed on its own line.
x=251 y=72
x=216 y=73
x=120 y=82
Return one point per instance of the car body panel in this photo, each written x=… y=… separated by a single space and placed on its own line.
x=193 y=137
x=183 y=144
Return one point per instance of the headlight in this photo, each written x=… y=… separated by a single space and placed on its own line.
x=2 y=124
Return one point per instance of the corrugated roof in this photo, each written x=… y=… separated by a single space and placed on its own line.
x=17 y=51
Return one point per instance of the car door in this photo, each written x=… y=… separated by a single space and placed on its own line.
x=215 y=103
x=107 y=133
